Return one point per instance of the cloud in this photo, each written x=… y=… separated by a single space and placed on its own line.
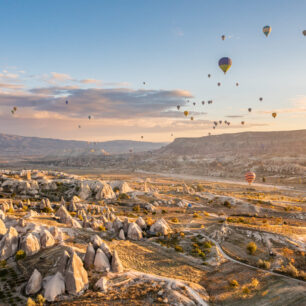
x=11 y=86
x=100 y=103
x=234 y=116
x=56 y=77
x=91 y=81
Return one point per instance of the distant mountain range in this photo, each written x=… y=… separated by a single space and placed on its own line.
x=24 y=147
x=280 y=143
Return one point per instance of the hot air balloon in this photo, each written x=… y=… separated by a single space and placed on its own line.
x=171 y=134
x=189 y=205
x=223 y=37
x=194 y=103
x=219 y=84
x=66 y=101
x=225 y=64
x=186 y=113
x=242 y=122
x=187 y=101
x=191 y=118
x=214 y=127
x=130 y=150
x=249 y=109
x=178 y=107
x=266 y=30
x=141 y=137
x=209 y=134
x=203 y=102
x=228 y=123
x=250 y=177
x=144 y=83
x=209 y=75
x=274 y=115
x=260 y=99
x=237 y=84
x=79 y=126
x=89 y=117
x=210 y=102
x=304 y=32
x=14 y=108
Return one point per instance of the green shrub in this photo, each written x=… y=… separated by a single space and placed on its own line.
x=40 y=300
x=20 y=254
x=48 y=210
x=2 y=263
x=227 y=204
x=291 y=270
x=233 y=283
x=116 y=189
x=123 y=196
x=101 y=228
x=136 y=208
x=246 y=290
x=264 y=264
x=30 y=302
x=196 y=215
x=175 y=220
x=178 y=248
x=252 y=247
x=207 y=245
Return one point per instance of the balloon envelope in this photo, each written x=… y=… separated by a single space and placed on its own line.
x=186 y=113
x=274 y=115
x=304 y=32
x=266 y=30
x=225 y=64
x=250 y=177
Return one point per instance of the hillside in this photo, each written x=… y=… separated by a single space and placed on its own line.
x=281 y=143
x=19 y=146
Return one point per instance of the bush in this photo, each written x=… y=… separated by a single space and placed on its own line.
x=163 y=211
x=233 y=283
x=264 y=264
x=246 y=290
x=136 y=208
x=116 y=189
x=20 y=254
x=291 y=270
x=175 y=220
x=149 y=221
x=40 y=300
x=48 y=210
x=72 y=213
x=178 y=248
x=2 y=263
x=101 y=228
x=123 y=196
x=25 y=207
x=182 y=234
x=255 y=282
x=207 y=245
x=227 y=204
x=251 y=247
x=30 y=302
x=196 y=215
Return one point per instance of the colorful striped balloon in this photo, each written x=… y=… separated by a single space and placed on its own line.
x=266 y=30
x=250 y=177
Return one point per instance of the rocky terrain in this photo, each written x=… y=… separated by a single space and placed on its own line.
x=140 y=240
x=275 y=157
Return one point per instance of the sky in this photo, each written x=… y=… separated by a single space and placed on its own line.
x=97 y=55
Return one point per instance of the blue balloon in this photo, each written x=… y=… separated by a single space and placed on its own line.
x=189 y=205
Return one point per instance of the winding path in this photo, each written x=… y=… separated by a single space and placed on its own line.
x=250 y=266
